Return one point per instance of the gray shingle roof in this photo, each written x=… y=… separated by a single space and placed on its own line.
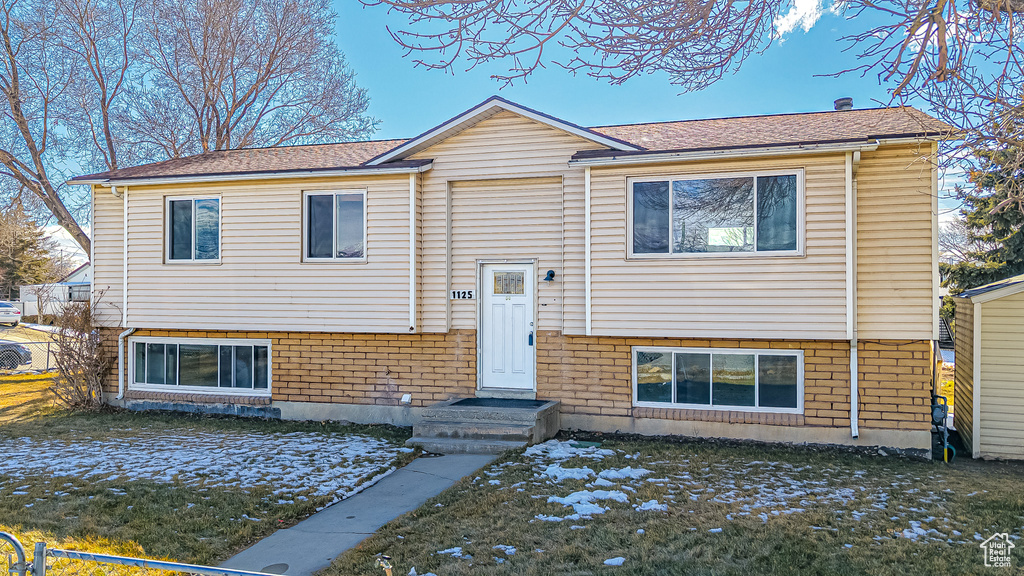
x=740 y=132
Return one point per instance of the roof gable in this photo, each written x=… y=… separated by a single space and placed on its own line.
x=484 y=110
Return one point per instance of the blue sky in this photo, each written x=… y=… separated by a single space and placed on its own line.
x=409 y=100
x=786 y=78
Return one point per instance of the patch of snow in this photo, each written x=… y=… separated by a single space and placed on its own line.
x=509 y=550
x=335 y=465
x=627 y=473
x=556 y=450
x=651 y=505
x=715 y=530
x=556 y=473
x=617 y=561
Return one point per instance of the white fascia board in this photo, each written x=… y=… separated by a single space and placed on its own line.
x=657 y=158
x=253 y=176
x=429 y=138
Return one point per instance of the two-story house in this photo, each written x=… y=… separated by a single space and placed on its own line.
x=766 y=277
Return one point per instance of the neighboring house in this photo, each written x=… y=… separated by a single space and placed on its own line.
x=76 y=286
x=989 y=378
x=700 y=277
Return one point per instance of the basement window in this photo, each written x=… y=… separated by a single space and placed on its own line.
x=201 y=365
x=720 y=215
x=719 y=379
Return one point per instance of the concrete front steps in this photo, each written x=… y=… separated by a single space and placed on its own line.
x=484 y=425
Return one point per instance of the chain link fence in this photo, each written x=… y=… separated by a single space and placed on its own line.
x=48 y=561
x=27 y=357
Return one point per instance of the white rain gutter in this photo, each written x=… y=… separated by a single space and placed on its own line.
x=124 y=291
x=852 y=164
x=412 y=252
x=727 y=153
x=587 y=253
x=253 y=176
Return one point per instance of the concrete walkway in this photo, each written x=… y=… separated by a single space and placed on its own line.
x=311 y=544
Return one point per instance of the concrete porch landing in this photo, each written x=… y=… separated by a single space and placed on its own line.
x=485 y=425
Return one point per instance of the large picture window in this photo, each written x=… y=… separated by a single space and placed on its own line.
x=748 y=213
x=744 y=380
x=193 y=229
x=195 y=364
x=335 y=226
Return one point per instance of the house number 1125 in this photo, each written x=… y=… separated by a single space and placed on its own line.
x=463 y=295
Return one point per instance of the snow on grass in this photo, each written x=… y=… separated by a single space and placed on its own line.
x=617 y=561
x=743 y=490
x=334 y=465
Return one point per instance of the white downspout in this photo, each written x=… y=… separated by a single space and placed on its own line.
x=852 y=163
x=586 y=249
x=412 y=252
x=124 y=291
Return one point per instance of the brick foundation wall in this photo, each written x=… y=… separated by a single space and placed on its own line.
x=589 y=375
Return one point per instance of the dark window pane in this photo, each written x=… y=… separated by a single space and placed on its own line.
x=776 y=212
x=207 y=229
x=197 y=365
x=181 y=229
x=140 y=362
x=693 y=378
x=777 y=381
x=650 y=218
x=262 y=368
x=172 y=364
x=653 y=377
x=732 y=379
x=226 y=363
x=155 y=363
x=320 y=233
x=243 y=366
x=713 y=215
x=350 y=226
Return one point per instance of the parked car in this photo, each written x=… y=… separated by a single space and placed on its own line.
x=9 y=314
x=13 y=355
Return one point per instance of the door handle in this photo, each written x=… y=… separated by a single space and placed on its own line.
x=530 y=339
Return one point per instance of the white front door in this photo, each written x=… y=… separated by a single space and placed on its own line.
x=506 y=326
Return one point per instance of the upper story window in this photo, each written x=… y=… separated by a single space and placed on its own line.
x=336 y=226
x=734 y=214
x=193 y=229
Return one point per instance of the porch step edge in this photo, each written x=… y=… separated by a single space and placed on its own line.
x=464 y=446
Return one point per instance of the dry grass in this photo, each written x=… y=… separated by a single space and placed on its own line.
x=175 y=521
x=946 y=382
x=824 y=537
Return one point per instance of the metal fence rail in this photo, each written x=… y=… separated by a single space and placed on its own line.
x=56 y=562
x=16 y=357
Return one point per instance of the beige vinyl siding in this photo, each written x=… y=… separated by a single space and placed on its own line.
x=107 y=257
x=261 y=282
x=503 y=146
x=963 y=375
x=722 y=297
x=1002 y=377
x=895 y=261
x=507 y=219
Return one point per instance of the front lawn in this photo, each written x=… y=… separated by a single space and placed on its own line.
x=663 y=507
x=188 y=488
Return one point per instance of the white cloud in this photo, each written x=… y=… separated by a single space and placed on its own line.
x=67 y=244
x=802 y=13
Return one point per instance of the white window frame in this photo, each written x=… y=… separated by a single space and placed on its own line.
x=334 y=228
x=801 y=215
x=720 y=408
x=208 y=390
x=168 y=227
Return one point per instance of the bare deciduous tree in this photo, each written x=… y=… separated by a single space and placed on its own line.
x=957 y=243
x=94 y=85
x=241 y=73
x=964 y=59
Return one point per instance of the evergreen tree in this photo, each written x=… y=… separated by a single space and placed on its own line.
x=995 y=218
x=25 y=253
